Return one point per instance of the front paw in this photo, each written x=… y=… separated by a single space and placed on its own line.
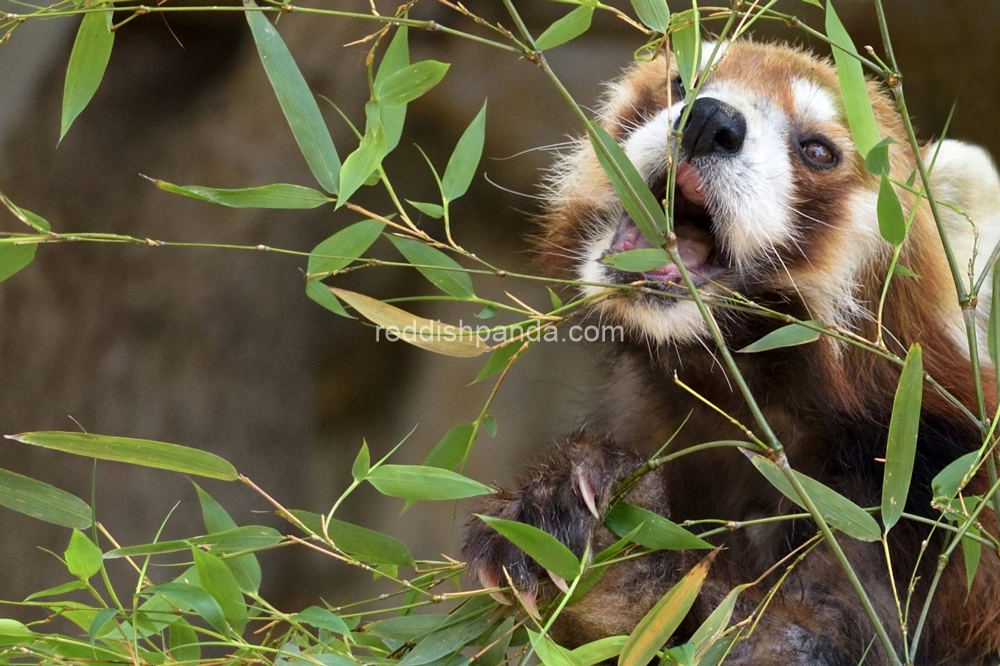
x=566 y=497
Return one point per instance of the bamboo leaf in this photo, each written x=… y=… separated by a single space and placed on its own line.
x=424 y=333
x=653 y=14
x=276 y=195
x=902 y=445
x=446 y=640
x=453 y=448
x=410 y=82
x=296 y=100
x=638 y=261
x=954 y=476
x=40 y=500
x=362 y=463
x=217 y=580
x=465 y=158
x=877 y=160
x=853 y=87
x=891 y=221
x=340 y=249
x=83 y=557
x=417 y=482
x=567 y=28
x=183 y=643
x=142 y=452
x=539 y=545
x=635 y=196
x=87 y=62
x=449 y=278
x=600 y=650
x=319 y=293
x=194 y=598
x=659 y=624
x=428 y=209
x=711 y=629
x=323 y=619
x=654 y=531
x=365 y=544
x=360 y=164
x=972 y=550
x=396 y=57
x=786 y=336
x=686 y=42
x=15 y=257
x=551 y=653
x=840 y=512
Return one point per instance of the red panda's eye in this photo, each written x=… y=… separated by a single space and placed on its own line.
x=817 y=154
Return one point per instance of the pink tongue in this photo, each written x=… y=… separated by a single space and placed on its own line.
x=693 y=244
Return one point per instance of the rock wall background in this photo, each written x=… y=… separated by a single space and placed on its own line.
x=221 y=349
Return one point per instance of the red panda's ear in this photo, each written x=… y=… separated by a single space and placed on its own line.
x=964 y=178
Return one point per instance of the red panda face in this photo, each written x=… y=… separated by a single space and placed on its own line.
x=773 y=200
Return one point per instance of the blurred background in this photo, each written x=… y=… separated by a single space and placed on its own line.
x=221 y=350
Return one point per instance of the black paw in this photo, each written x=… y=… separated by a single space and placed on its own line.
x=566 y=497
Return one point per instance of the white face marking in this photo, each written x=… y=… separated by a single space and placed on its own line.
x=813 y=103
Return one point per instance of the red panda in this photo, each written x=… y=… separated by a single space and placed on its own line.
x=773 y=202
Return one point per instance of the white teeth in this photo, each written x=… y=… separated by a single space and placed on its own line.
x=559 y=581
x=586 y=492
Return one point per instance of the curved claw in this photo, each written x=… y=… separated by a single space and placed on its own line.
x=489 y=581
x=586 y=492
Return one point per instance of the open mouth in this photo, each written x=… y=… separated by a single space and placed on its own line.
x=696 y=241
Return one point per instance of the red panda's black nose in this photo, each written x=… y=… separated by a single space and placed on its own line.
x=713 y=128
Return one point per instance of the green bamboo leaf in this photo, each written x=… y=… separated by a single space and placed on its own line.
x=83 y=557
x=500 y=640
x=40 y=500
x=449 y=278
x=237 y=539
x=853 y=87
x=396 y=57
x=187 y=596
x=567 y=28
x=36 y=222
x=686 y=41
x=903 y=271
x=217 y=580
x=424 y=333
x=406 y=629
x=653 y=14
x=99 y=622
x=367 y=545
x=15 y=257
x=654 y=531
x=500 y=358
x=183 y=643
x=786 y=336
x=635 y=196
x=321 y=294
x=638 y=261
x=276 y=195
x=428 y=209
x=902 y=445
x=447 y=640
x=551 y=653
x=410 y=82
x=840 y=512
x=465 y=158
x=954 y=476
x=296 y=100
x=360 y=164
x=453 y=447
x=13 y=632
x=600 y=650
x=323 y=619
x=659 y=624
x=711 y=629
x=87 y=62
x=142 y=452
x=362 y=463
x=877 y=160
x=58 y=590
x=993 y=332
x=891 y=221
x=340 y=249
x=417 y=482
x=541 y=546
x=972 y=550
